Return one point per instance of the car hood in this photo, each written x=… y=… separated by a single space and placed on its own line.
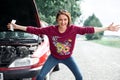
x=23 y=11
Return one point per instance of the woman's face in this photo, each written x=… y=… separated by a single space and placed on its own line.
x=62 y=20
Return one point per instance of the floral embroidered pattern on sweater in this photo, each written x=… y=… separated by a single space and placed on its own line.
x=63 y=48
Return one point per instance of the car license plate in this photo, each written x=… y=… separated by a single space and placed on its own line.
x=1 y=76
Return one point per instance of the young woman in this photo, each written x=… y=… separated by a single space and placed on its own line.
x=62 y=39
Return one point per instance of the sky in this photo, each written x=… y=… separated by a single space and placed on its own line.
x=106 y=10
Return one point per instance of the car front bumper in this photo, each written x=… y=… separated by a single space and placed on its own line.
x=18 y=74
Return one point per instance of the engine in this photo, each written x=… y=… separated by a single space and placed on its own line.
x=10 y=53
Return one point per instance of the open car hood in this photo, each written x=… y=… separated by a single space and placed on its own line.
x=23 y=11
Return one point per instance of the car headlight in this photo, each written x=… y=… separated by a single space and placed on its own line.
x=24 y=62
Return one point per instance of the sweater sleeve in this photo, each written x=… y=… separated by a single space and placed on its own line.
x=34 y=30
x=85 y=30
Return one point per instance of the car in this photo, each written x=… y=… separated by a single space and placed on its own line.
x=22 y=54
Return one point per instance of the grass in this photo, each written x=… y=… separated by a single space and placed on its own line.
x=109 y=42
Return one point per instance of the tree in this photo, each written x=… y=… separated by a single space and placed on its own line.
x=48 y=9
x=93 y=21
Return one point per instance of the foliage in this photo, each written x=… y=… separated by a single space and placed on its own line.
x=48 y=9
x=93 y=21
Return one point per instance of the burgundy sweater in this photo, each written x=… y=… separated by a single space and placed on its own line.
x=61 y=44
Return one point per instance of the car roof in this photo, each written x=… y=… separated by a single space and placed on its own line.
x=23 y=11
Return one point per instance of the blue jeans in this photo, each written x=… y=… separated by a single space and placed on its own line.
x=52 y=61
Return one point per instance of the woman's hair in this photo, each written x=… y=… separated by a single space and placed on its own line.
x=64 y=12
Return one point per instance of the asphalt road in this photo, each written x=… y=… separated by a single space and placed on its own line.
x=96 y=62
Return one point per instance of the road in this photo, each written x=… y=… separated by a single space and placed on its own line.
x=96 y=62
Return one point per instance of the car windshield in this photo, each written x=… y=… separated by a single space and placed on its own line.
x=17 y=35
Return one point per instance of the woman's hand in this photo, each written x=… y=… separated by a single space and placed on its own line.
x=113 y=27
x=11 y=24
x=15 y=26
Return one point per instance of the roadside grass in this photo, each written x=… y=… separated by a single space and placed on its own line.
x=112 y=42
